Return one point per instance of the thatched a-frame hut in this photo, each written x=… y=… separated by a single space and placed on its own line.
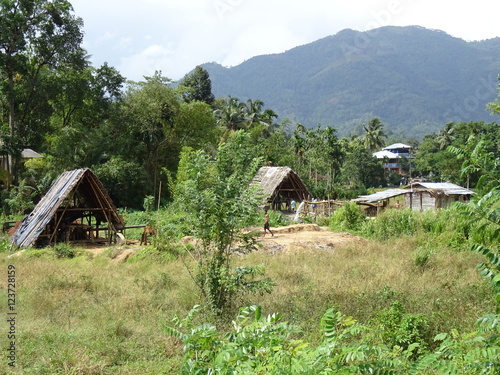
x=280 y=185
x=73 y=209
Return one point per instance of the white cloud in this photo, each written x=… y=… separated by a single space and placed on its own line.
x=141 y=36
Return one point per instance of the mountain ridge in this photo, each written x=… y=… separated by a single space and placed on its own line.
x=414 y=79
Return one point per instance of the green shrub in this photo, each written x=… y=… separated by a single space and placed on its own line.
x=347 y=217
x=64 y=250
x=4 y=244
x=391 y=223
x=268 y=345
x=277 y=219
x=401 y=329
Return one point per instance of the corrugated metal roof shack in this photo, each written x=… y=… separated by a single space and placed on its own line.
x=74 y=209
x=431 y=195
x=379 y=201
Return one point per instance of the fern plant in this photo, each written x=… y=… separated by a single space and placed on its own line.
x=486 y=213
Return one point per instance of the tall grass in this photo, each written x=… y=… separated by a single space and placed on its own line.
x=361 y=279
x=94 y=316
x=87 y=315
x=441 y=227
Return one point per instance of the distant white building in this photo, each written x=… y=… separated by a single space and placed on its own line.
x=393 y=155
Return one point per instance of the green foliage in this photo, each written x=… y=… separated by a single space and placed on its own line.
x=20 y=199
x=362 y=170
x=485 y=212
x=446 y=226
x=392 y=223
x=347 y=217
x=259 y=344
x=400 y=329
x=63 y=250
x=256 y=345
x=472 y=353
x=149 y=202
x=476 y=158
x=4 y=244
x=219 y=202
x=374 y=136
x=197 y=86
x=124 y=180
x=277 y=219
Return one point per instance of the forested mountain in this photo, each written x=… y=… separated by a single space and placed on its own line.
x=414 y=79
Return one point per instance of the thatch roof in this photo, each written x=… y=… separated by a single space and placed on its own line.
x=76 y=194
x=281 y=180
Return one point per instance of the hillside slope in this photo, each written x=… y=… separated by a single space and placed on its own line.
x=414 y=79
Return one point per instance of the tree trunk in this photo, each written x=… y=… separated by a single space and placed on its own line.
x=12 y=162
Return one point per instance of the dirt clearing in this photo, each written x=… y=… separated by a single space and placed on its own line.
x=302 y=236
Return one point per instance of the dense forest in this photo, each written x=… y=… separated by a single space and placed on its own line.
x=407 y=287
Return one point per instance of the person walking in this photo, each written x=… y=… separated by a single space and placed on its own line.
x=266 y=224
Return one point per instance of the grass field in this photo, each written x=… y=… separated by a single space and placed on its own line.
x=91 y=315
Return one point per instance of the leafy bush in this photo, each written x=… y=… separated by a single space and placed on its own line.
x=4 y=244
x=219 y=202
x=486 y=213
x=259 y=344
x=402 y=329
x=347 y=217
x=277 y=219
x=391 y=223
x=63 y=250
x=20 y=199
x=123 y=179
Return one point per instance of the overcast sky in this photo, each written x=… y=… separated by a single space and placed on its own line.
x=140 y=36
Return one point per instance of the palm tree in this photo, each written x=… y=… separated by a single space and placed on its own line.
x=446 y=137
x=231 y=116
x=374 y=136
x=256 y=116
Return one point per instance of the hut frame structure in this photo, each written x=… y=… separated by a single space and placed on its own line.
x=280 y=185
x=76 y=208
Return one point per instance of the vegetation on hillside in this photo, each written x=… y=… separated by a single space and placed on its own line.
x=413 y=79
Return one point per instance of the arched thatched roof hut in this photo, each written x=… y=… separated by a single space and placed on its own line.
x=74 y=208
x=280 y=184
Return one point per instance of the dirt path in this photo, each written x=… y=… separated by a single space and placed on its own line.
x=289 y=238
x=301 y=236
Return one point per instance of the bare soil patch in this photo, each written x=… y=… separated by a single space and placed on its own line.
x=305 y=236
x=290 y=238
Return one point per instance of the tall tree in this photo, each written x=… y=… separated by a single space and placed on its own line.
x=231 y=116
x=197 y=86
x=257 y=116
x=446 y=137
x=35 y=37
x=149 y=115
x=86 y=100
x=374 y=136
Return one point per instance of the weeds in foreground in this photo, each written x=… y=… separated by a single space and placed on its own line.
x=270 y=345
